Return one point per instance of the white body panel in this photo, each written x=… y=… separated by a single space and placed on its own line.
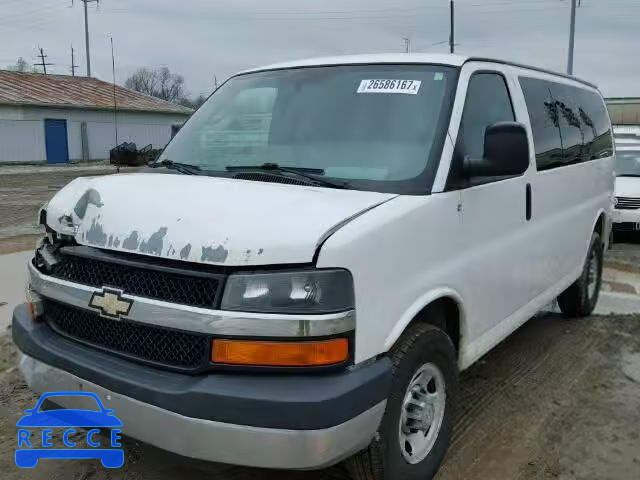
x=474 y=245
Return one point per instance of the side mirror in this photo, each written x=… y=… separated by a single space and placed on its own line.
x=506 y=152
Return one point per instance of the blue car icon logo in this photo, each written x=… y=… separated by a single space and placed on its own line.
x=35 y=432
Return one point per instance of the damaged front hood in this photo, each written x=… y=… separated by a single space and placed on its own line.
x=204 y=219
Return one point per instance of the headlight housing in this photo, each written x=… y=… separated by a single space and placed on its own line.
x=301 y=292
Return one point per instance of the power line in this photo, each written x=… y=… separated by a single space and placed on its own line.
x=452 y=40
x=42 y=63
x=572 y=37
x=73 y=63
x=86 y=32
x=407 y=44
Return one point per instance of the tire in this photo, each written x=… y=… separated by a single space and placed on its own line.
x=422 y=345
x=580 y=299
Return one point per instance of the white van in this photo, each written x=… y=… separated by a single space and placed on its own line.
x=332 y=241
x=626 y=212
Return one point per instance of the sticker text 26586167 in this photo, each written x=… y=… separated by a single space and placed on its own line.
x=410 y=87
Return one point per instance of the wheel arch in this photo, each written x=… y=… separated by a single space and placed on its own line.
x=602 y=225
x=445 y=300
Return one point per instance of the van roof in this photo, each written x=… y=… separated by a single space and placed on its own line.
x=404 y=58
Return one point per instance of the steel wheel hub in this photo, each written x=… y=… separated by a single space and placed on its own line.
x=422 y=413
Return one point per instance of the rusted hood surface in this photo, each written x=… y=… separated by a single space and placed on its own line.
x=204 y=219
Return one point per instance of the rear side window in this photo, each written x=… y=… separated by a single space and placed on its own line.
x=570 y=124
x=487 y=102
x=596 y=119
x=567 y=101
x=545 y=122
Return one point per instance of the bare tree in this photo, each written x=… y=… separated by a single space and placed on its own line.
x=158 y=82
x=22 y=65
x=193 y=103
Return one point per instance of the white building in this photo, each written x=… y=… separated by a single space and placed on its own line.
x=61 y=119
x=624 y=111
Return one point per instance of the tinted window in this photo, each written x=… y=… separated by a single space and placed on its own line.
x=567 y=102
x=585 y=113
x=544 y=115
x=596 y=110
x=570 y=124
x=487 y=102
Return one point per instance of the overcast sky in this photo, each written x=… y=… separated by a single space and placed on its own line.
x=203 y=38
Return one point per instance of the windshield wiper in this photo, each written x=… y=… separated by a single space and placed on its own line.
x=311 y=174
x=185 y=168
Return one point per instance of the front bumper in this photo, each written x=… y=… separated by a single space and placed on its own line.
x=261 y=420
x=625 y=216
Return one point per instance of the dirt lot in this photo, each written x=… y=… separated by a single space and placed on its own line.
x=559 y=399
x=23 y=190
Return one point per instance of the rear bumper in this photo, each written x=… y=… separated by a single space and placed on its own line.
x=271 y=421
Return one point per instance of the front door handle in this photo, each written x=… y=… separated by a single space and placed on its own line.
x=528 y=201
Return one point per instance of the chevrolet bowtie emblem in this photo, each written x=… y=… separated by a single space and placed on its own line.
x=111 y=303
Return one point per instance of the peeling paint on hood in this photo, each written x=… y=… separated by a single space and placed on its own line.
x=204 y=219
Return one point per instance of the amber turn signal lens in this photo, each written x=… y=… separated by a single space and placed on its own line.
x=34 y=303
x=281 y=354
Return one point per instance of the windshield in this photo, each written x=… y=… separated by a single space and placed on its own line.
x=628 y=155
x=374 y=127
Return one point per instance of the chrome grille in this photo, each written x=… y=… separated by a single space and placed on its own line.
x=138 y=281
x=627 y=203
x=160 y=346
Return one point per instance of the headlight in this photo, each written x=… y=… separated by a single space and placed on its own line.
x=313 y=291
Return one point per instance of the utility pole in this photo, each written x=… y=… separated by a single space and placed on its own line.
x=115 y=102
x=86 y=32
x=452 y=40
x=572 y=37
x=215 y=83
x=407 y=44
x=73 y=62
x=42 y=63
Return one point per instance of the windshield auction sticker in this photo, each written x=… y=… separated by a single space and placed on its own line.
x=409 y=87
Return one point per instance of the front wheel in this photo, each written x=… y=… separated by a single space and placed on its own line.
x=580 y=299
x=416 y=428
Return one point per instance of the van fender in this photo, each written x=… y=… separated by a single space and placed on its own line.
x=601 y=212
x=606 y=227
x=418 y=305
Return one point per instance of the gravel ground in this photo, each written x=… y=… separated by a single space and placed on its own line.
x=24 y=189
x=559 y=399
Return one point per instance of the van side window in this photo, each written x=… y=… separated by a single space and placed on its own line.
x=487 y=102
x=596 y=110
x=544 y=115
x=570 y=124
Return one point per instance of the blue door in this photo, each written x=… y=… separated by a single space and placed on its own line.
x=55 y=138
